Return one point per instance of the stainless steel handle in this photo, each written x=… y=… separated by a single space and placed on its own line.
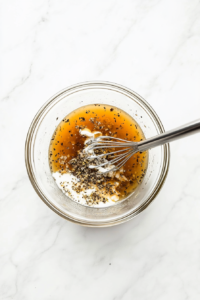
x=170 y=136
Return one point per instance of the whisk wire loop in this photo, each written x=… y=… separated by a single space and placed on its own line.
x=116 y=158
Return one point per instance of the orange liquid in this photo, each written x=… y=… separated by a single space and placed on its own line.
x=66 y=140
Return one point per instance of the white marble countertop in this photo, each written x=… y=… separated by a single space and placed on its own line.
x=152 y=47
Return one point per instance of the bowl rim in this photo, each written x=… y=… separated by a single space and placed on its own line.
x=28 y=142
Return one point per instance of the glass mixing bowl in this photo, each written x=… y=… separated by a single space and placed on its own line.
x=42 y=129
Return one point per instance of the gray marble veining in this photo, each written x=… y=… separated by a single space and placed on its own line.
x=151 y=47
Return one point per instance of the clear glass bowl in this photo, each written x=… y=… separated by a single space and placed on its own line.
x=40 y=133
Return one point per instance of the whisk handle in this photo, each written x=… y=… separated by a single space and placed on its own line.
x=170 y=136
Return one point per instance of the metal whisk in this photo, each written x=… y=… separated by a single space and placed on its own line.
x=118 y=158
